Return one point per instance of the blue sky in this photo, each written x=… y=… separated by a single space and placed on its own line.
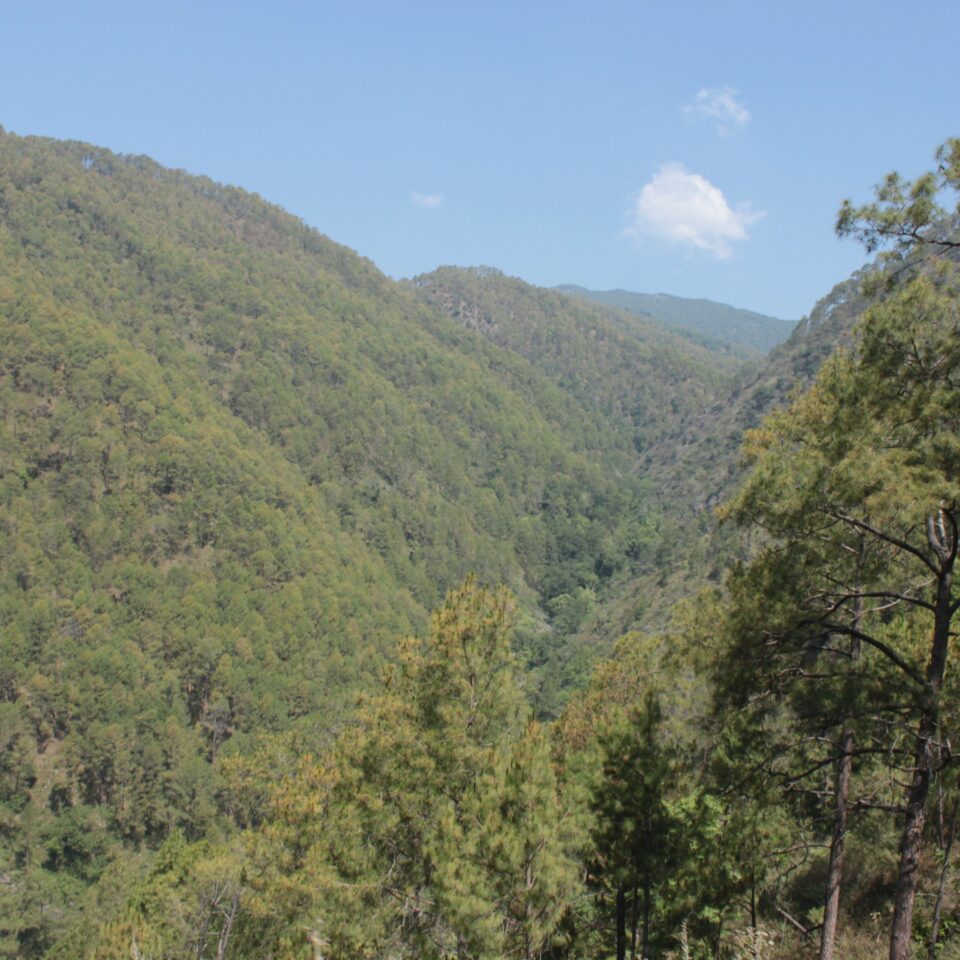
x=700 y=149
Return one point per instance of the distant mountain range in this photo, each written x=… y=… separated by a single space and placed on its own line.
x=742 y=332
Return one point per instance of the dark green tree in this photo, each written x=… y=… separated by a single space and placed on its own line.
x=634 y=837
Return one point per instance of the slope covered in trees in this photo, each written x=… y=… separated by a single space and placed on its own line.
x=236 y=462
x=654 y=388
x=630 y=370
x=696 y=469
x=745 y=332
x=686 y=408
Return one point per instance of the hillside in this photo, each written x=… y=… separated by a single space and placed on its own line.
x=650 y=382
x=686 y=406
x=236 y=463
x=744 y=332
x=705 y=458
x=688 y=449
x=694 y=473
x=629 y=370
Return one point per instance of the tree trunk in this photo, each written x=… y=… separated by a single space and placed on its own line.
x=908 y=875
x=230 y=914
x=718 y=942
x=911 y=840
x=831 y=907
x=831 y=903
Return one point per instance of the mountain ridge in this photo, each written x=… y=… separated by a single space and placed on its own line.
x=746 y=332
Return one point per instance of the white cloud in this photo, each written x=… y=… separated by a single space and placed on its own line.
x=427 y=200
x=719 y=104
x=687 y=209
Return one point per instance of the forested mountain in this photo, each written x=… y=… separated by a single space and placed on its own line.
x=237 y=462
x=654 y=386
x=686 y=407
x=238 y=466
x=744 y=332
x=627 y=366
x=695 y=471
x=706 y=458
x=630 y=370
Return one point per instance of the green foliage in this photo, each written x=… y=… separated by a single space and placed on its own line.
x=187 y=904
x=469 y=850
x=635 y=387
x=624 y=373
x=698 y=466
x=438 y=828
x=635 y=838
x=843 y=620
x=235 y=462
x=671 y=834
x=906 y=215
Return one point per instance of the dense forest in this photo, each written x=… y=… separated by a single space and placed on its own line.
x=239 y=467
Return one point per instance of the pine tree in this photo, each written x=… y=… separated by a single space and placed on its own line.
x=633 y=838
x=449 y=837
